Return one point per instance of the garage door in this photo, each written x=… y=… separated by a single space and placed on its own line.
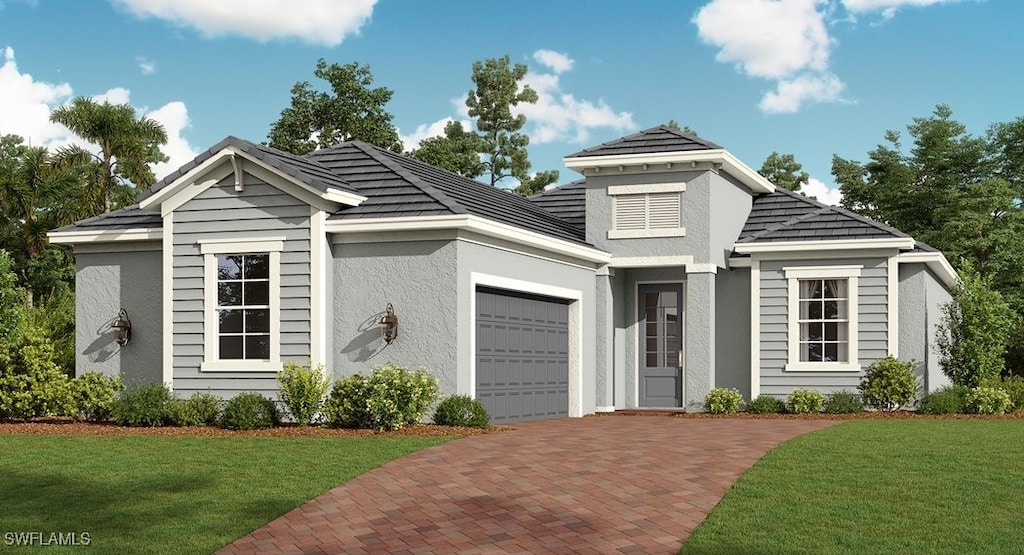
x=522 y=355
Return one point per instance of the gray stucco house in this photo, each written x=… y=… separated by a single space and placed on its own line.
x=669 y=269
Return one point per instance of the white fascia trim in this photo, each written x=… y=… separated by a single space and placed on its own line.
x=646 y=189
x=841 y=244
x=936 y=262
x=701 y=269
x=167 y=289
x=575 y=367
x=333 y=195
x=470 y=223
x=649 y=261
x=646 y=233
x=892 y=324
x=755 y=329
x=105 y=236
x=732 y=165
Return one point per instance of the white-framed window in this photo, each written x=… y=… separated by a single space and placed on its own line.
x=822 y=321
x=241 y=304
x=643 y=211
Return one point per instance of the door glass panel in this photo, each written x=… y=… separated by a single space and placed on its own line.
x=661 y=330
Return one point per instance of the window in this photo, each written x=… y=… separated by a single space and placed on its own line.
x=822 y=318
x=640 y=211
x=241 y=304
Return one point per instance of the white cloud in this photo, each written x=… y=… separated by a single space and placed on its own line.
x=785 y=41
x=888 y=7
x=560 y=116
x=25 y=106
x=819 y=190
x=790 y=94
x=427 y=130
x=325 y=22
x=145 y=66
x=555 y=61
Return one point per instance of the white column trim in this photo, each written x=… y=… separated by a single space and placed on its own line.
x=892 y=324
x=167 y=290
x=318 y=287
x=755 y=328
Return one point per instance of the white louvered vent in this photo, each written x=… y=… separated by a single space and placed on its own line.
x=662 y=210
x=631 y=212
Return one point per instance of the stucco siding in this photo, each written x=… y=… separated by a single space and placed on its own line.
x=872 y=311
x=418 y=279
x=220 y=212
x=732 y=330
x=105 y=283
x=475 y=258
x=729 y=205
x=921 y=299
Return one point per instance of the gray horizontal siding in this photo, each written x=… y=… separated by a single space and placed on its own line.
x=872 y=336
x=222 y=213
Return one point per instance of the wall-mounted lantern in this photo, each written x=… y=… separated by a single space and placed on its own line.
x=389 y=324
x=123 y=326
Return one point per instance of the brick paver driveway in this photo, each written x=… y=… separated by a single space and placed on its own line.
x=603 y=484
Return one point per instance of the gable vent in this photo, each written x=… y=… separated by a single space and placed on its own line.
x=647 y=211
x=631 y=212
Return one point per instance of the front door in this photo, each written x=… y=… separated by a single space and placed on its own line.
x=661 y=343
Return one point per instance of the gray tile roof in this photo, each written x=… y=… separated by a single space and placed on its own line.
x=397 y=185
x=788 y=216
x=656 y=139
x=299 y=167
x=129 y=217
x=566 y=202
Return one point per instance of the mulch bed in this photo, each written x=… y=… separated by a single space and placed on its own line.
x=874 y=415
x=66 y=427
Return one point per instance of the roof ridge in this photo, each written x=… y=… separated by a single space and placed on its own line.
x=705 y=144
x=561 y=187
x=848 y=213
x=431 y=191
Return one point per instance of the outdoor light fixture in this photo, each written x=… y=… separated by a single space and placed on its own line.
x=123 y=326
x=389 y=324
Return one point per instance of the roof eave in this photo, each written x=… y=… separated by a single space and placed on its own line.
x=936 y=262
x=105 y=236
x=823 y=245
x=732 y=165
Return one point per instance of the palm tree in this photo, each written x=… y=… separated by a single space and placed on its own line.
x=127 y=145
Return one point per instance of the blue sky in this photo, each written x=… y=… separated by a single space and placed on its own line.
x=808 y=77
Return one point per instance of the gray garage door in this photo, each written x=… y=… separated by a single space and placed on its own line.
x=522 y=355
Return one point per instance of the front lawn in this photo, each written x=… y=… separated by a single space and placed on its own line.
x=151 y=494
x=878 y=486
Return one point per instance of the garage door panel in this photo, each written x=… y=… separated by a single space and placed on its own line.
x=522 y=360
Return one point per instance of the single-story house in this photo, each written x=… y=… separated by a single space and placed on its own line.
x=669 y=269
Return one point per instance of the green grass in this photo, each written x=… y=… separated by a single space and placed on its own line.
x=139 y=494
x=878 y=486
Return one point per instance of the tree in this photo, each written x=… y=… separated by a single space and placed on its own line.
x=497 y=92
x=351 y=110
x=974 y=330
x=536 y=183
x=35 y=196
x=673 y=124
x=457 y=151
x=784 y=171
x=127 y=146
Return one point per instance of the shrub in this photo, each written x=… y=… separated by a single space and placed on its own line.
x=951 y=399
x=31 y=382
x=388 y=399
x=202 y=409
x=973 y=330
x=988 y=400
x=766 y=404
x=143 y=405
x=888 y=384
x=843 y=402
x=461 y=410
x=805 y=401
x=1014 y=387
x=722 y=400
x=302 y=390
x=250 y=411
x=93 y=394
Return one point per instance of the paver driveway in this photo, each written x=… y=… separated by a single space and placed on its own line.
x=602 y=484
